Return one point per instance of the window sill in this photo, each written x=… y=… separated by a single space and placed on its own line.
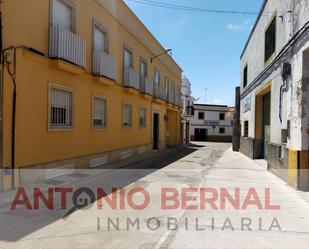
x=131 y=90
x=61 y=129
x=269 y=60
x=159 y=101
x=146 y=96
x=99 y=129
x=105 y=81
x=68 y=67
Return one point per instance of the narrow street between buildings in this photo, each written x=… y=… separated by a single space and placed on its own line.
x=201 y=196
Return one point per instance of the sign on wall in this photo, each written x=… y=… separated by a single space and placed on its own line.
x=211 y=122
x=247 y=104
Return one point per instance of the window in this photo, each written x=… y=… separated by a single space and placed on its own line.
x=166 y=86
x=127 y=116
x=156 y=77
x=142 y=117
x=246 y=128
x=98 y=112
x=127 y=64
x=270 y=40
x=282 y=151
x=143 y=71
x=201 y=115
x=128 y=59
x=100 y=39
x=222 y=116
x=222 y=130
x=245 y=76
x=60 y=107
x=173 y=90
x=63 y=14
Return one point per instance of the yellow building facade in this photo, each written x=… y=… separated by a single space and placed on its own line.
x=87 y=93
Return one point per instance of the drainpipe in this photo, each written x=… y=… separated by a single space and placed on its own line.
x=12 y=74
x=13 y=121
x=13 y=77
x=1 y=106
x=282 y=87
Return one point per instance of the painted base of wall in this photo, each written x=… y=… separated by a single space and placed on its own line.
x=293 y=168
x=299 y=169
x=222 y=139
x=47 y=171
x=278 y=166
x=250 y=147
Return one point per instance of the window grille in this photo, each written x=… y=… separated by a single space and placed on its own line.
x=60 y=107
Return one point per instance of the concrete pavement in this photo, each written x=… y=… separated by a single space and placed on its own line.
x=209 y=172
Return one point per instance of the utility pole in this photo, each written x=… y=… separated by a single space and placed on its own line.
x=206 y=89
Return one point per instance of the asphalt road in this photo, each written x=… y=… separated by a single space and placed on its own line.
x=204 y=196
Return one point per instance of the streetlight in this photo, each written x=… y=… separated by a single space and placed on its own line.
x=166 y=51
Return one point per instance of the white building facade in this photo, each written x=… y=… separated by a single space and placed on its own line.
x=213 y=123
x=274 y=107
x=187 y=109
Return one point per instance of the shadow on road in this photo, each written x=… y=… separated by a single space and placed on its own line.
x=18 y=223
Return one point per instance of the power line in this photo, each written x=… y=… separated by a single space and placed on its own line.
x=193 y=9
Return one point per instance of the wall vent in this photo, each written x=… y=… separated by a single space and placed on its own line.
x=97 y=162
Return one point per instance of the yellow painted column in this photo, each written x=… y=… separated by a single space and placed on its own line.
x=304 y=173
x=292 y=170
x=298 y=175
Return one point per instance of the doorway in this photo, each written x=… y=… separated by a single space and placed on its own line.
x=187 y=132
x=266 y=124
x=200 y=135
x=155 y=131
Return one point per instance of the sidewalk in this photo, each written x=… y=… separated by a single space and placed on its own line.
x=80 y=176
x=206 y=165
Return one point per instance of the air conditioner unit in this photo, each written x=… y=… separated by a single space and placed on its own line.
x=286 y=70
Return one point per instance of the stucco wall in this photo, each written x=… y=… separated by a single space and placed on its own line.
x=292 y=94
x=34 y=143
x=196 y=123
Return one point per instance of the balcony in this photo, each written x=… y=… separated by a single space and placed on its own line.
x=178 y=100
x=131 y=79
x=171 y=98
x=159 y=92
x=103 y=65
x=64 y=44
x=147 y=86
x=189 y=111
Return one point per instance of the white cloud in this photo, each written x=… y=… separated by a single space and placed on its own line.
x=245 y=25
x=247 y=22
x=171 y=25
x=217 y=101
x=183 y=21
x=234 y=27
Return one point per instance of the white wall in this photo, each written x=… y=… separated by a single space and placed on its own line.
x=212 y=116
x=187 y=101
x=254 y=56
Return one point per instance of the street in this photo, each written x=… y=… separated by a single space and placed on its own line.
x=279 y=219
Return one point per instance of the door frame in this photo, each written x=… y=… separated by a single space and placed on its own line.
x=259 y=117
x=154 y=113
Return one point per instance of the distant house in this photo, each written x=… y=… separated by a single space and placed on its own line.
x=213 y=123
x=187 y=110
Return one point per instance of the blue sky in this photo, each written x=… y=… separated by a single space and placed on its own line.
x=206 y=46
